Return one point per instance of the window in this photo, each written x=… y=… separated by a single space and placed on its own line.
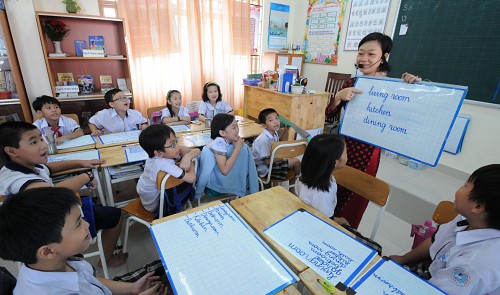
x=108 y=8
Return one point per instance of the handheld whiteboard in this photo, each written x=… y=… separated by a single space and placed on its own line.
x=85 y=155
x=213 y=251
x=120 y=137
x=455 y=139
x=412 y=120
x=76 y=142
x=135 y=154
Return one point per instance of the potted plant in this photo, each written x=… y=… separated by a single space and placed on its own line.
x=56 y=31
x=297 y=88
x=72 y=6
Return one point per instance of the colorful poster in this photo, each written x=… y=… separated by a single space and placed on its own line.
x=324 y=21
x=365 y=17
x=278 y=26
x=254 y=28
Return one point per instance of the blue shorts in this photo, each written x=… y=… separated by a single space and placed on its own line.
x=106 y=216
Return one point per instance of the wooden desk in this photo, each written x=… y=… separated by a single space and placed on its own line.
x=264 y=208
x=305 y=110
x=77 y=149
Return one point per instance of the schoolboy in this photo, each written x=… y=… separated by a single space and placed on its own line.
x=43 y=228
x=165 y=154
x=464 y=252
x=25 y=166
x=261 y=147
x=118 y=118
x=61 y=127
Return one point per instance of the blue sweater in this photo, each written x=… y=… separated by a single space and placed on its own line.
x=242 y=180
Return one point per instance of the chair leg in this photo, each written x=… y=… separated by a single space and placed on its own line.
x=101 y=254
x=128 y=224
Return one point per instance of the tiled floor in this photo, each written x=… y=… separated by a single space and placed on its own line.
x=393 y=235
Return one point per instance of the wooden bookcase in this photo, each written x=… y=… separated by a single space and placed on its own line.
x=270 y=60
x=81 y=27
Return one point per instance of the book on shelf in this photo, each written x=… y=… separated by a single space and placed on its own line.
x=65 y=78
x=93 y=53
x=122 y=85
x=106 y=83
x=64 y=54
x=79 y=46
x=3 y=84
x=96 y=42
x=9 y=81
x=86 y=84
x=114 y=55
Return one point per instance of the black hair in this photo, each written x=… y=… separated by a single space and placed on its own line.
x=108 y=96
x=386 y=46
x=486 y=191
x=153 y=138
x=319 y=159
x=32 y=219
x=204 y=96
x=169 y=106
x=220 y=122
x=264 y=113
x=11 y=133
x=43 y=100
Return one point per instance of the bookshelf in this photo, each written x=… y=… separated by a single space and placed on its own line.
x=81 y=27
x=271 y=60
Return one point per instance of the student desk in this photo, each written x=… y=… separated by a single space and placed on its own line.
x=262 y=209
x=305 y=110
x=77 y=149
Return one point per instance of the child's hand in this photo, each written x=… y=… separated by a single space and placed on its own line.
x=158 y=289
x=185 y=163
x=148 y=284
x=97 y=132
x=239 y=143
x=397 y=258
x=341 y=220
x=347 y=93
x=60 y=140
x=91 y=163
x=93 y=184
x=143 y=126
x=409 y=78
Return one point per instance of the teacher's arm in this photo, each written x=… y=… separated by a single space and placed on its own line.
x=410 y=78
x=346 y=94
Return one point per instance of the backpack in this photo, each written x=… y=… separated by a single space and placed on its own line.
x=88 y=214
x=155 y=118
x=176 y=198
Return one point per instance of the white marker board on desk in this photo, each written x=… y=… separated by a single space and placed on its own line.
x=213 y=251
x=412 y=120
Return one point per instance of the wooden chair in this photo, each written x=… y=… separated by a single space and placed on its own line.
x=334 y=82
x=280 y=150
x=72 y=116
x=371 y=188
x=444 y=212
x=193 y=106
x=137 y=212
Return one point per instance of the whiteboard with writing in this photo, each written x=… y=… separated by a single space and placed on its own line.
x=180 y=128
x=85 y=155
x=120 y=137
x=76 y=142
x=412 y=120
x=135 y=154
x=213 y=251
x=327 y=250
x=387 y=277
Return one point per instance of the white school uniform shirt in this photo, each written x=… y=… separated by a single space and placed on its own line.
x=81 y=281
x=15 y=178
x=146 y=186
x=261 y=150
x=465 y=262
x=110 y=122
x=207 y=110
x=322 y=201
x=219 y=146
x=183 y=111
x=67 y=125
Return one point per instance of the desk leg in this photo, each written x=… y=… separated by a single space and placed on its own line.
x=102 y=198
x=109 y=188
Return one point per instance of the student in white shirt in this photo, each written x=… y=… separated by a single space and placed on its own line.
x=165 y=154
x=212 y=102
x=464 y=252
x=118 y=118
x=61 y=127
x=175 y=113
x=43 y=228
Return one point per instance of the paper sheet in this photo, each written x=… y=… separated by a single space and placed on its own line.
x=180 y=128
x=201 y=139
x=135 y=154
x=76 y=142
x=85 y=155
x=213 y=251
x=120 y=137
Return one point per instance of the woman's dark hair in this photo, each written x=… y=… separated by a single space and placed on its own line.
x=205 y=91
x=153 y=138
x=486 y=191
x=169 y=106
x=386 y=45
x=319 y=160
x=220 y=122
x=108 y=96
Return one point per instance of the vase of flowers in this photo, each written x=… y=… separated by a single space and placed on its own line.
x=56 y=31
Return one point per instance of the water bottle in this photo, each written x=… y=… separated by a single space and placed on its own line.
x=297 y=46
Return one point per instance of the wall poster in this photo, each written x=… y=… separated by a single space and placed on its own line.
x=278 y=26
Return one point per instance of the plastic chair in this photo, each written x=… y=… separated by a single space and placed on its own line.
x=137 y=212
x=280 y=150
x=444 y=212
x=334 y=82
x=151 y=110
x=371 y=188
x=100 y=252
x=193 y=106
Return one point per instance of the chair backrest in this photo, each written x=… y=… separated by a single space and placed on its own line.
x=444 y=212
x=286 y=149
x=334 y=82
x=371 y=188
x=72 y=116
x=151 y=110
x=193 y=106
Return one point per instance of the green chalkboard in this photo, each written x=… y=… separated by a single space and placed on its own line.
x=451 y=41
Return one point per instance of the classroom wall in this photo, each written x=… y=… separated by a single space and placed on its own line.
x=482 y=140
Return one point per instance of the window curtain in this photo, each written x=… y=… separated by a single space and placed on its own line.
x=183 y=44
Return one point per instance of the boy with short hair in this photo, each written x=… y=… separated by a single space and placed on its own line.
x=261 y=147
x=43 y=228
x=25 y=158
x=118 y=118
x=160 y=143
x=61 y=127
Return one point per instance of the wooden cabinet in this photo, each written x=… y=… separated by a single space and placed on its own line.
x=272 y=60
x=14 y=103
x=305 y=110
x=81 y=27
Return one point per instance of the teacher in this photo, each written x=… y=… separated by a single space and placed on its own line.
x=373 y=51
